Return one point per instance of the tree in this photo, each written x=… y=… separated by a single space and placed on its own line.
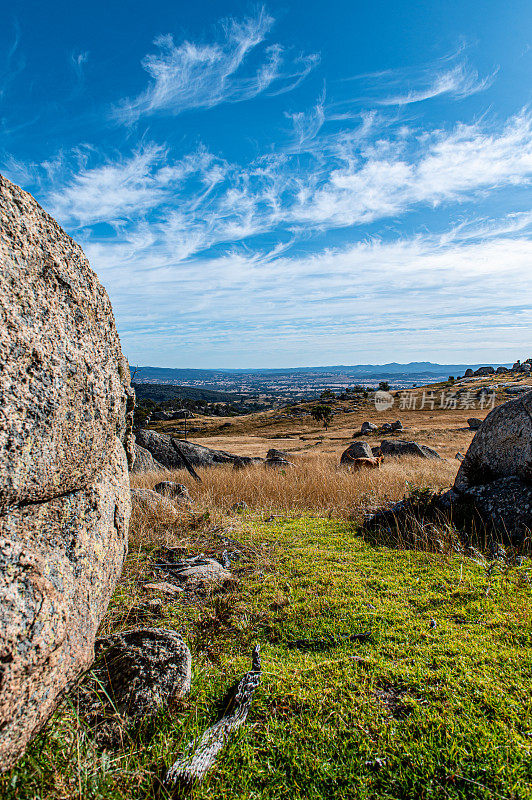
x=384 y=386
x=322 y=413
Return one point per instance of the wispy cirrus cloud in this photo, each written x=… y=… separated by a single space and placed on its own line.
x=450 y=76
x=190 y=75
x=200 y=201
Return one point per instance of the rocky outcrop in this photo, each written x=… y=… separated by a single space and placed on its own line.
x=398 y=447
x=136 y=672
x=65 y=431
x=167 y=453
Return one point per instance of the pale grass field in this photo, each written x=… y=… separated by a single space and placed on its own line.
x=316 y=484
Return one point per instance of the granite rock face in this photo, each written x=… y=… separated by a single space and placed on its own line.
x=502 y=446
x=65 y=433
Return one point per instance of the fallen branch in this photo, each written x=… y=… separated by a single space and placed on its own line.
x=186 y=462
x=192 y=768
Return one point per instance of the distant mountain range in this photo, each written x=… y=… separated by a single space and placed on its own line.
x=414 y=368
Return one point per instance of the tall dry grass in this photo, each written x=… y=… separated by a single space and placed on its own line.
x=316 y=484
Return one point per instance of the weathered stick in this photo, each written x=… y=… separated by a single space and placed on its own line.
x=202 y=753
x=186 y=462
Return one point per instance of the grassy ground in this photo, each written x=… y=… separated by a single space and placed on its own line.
x=435 y=705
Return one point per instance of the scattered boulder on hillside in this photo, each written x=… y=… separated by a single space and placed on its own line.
x=65 y=439
x=356 y=450
x=144 y=461
x=501 y=370
x=135 y=673
x=177 y=492
x=474 y=423
x=161 y=447
x=484 y=371
x=278 y=463
x=399 y=447
x=368 y=427
x=146 y=501
x=273 y=453
x=469 y=373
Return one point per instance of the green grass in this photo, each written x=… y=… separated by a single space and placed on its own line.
x=416 y=712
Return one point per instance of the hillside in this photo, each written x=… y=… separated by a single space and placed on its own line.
x=394 y=664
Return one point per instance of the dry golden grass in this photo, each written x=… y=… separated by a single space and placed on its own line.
x=316 y=484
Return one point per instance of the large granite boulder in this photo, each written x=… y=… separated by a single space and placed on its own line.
x=65 y=431
x=501 y=447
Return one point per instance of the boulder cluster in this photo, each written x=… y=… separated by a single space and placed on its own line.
x=524 y=368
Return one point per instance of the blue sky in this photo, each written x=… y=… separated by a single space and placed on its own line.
x=298 y=183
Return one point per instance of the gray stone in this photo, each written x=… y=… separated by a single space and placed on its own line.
x=367 y=427
x=398 y=447
x=144 y=461
x=273 y=453
x=469 y=373
x=278 y=463
x=502 y=447
x=177 y=492
x=474 y=423
x=504 y=506
x=135 y=673
x=356 y=450
x=161 y=448
x=501 y=370
x=484 y=371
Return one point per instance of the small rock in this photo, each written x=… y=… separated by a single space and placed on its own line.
x=277 y=463
x=164 y=587
x=367 y=427
x=275 y=454
x=175 y=491
x=474 y=423
x=135 y=672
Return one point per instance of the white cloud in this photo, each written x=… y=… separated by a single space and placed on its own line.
x=459 y=82
x=190 y=75
x=451 y=77
x=456 y=290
